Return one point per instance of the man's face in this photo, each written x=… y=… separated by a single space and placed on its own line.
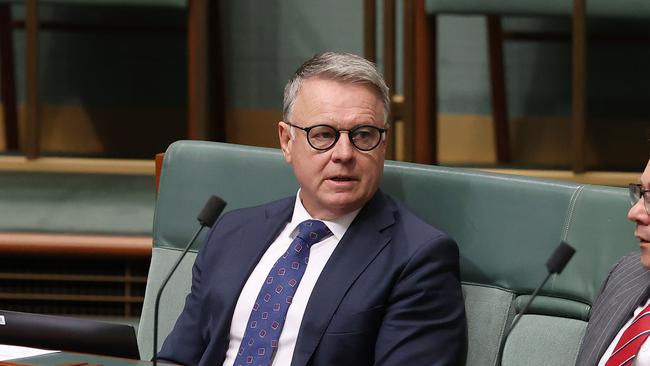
x=640 y=216
x=342 y=179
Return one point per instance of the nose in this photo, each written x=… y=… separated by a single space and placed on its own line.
x=343 y=150
x=638 y=213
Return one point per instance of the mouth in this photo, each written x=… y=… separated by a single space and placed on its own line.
x=342 y=181
x=642 y=240
x=341 y=178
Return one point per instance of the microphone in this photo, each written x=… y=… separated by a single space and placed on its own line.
x=555 y=265
x=561 y=256
x=207 y=217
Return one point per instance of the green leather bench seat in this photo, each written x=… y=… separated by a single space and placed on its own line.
x=506 y=227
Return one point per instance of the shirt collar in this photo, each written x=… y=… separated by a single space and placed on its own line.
x=337 y=226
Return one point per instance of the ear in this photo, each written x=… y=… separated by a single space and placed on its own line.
x=286 y=142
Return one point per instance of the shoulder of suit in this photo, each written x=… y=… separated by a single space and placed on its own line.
x=629 y=261
x=248 y=213
x=627 y=270
x=411 y=222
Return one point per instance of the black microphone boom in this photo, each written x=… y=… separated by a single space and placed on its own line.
x=555 y=264
x=208 y=216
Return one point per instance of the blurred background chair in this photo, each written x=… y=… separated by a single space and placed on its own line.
x=205 y=111
x=418 y=107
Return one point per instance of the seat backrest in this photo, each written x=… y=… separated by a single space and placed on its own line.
x=505 y=226
x=139 y=3
x=638 y=9
x=192 y=171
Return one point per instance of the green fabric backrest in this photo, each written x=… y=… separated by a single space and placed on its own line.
x=598 y=8
x=506 y=227
x=192 y=171
x=494 y=218
x=600 y=232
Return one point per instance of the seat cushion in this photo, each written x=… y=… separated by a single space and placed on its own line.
x=542 y=340
x=172 y=300
x=488 y=312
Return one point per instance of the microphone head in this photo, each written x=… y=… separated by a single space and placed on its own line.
x=211 y=211
x=560 y=258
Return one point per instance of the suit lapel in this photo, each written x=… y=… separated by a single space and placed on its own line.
x=250 y=244
x=356 y=250
x=621 y=317
x=258 y=234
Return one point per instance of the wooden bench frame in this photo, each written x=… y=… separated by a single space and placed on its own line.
x=75 y=245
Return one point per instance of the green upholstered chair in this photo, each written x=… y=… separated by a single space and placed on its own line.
x=198 y=13
x=7 y=72
x=505 y=226
x=577 y=10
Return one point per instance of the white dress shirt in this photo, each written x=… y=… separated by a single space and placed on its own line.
x=318 y=256
x=643 y=357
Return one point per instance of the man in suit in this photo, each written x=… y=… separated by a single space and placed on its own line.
x=379 y=285
x=618 y=326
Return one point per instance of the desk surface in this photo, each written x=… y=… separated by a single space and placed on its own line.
x=77 y=359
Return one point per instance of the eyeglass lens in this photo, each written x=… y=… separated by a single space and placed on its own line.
x=636 y=193
x=364 y=138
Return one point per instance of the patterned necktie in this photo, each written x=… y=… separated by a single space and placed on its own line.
x=270 y=310
x=631 y=340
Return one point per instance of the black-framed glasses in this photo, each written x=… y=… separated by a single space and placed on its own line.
x=637 y=192
x=324 y=137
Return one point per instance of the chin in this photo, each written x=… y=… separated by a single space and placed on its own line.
x=344 y=205
x=645 y=260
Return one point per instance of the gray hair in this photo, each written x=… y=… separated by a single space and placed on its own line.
x=337 y=66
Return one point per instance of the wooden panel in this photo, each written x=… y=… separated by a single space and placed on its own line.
x=30 y=137
x=498 y=89
x=578 y=86
x=370 y=30
x=159 y=163
x=425 y=101
x=76 y=245
x=66 y=297
x=197 y=43
x=389 y=44
x=89 y=286
x=410 y=129
x=7 y=79
x=77 y=165
x=71 y=277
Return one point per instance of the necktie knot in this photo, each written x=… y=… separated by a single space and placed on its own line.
x=313 y=231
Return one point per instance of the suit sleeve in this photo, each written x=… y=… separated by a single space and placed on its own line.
x=425 y=323
x=186 y=342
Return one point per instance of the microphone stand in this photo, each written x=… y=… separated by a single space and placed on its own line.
x=518 y=317
x=160 y=291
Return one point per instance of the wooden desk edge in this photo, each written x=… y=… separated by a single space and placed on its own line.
x=75 y=244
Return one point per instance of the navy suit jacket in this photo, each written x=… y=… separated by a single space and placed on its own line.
x=390 y=293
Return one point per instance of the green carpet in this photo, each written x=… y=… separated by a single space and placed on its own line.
x=76 y=203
